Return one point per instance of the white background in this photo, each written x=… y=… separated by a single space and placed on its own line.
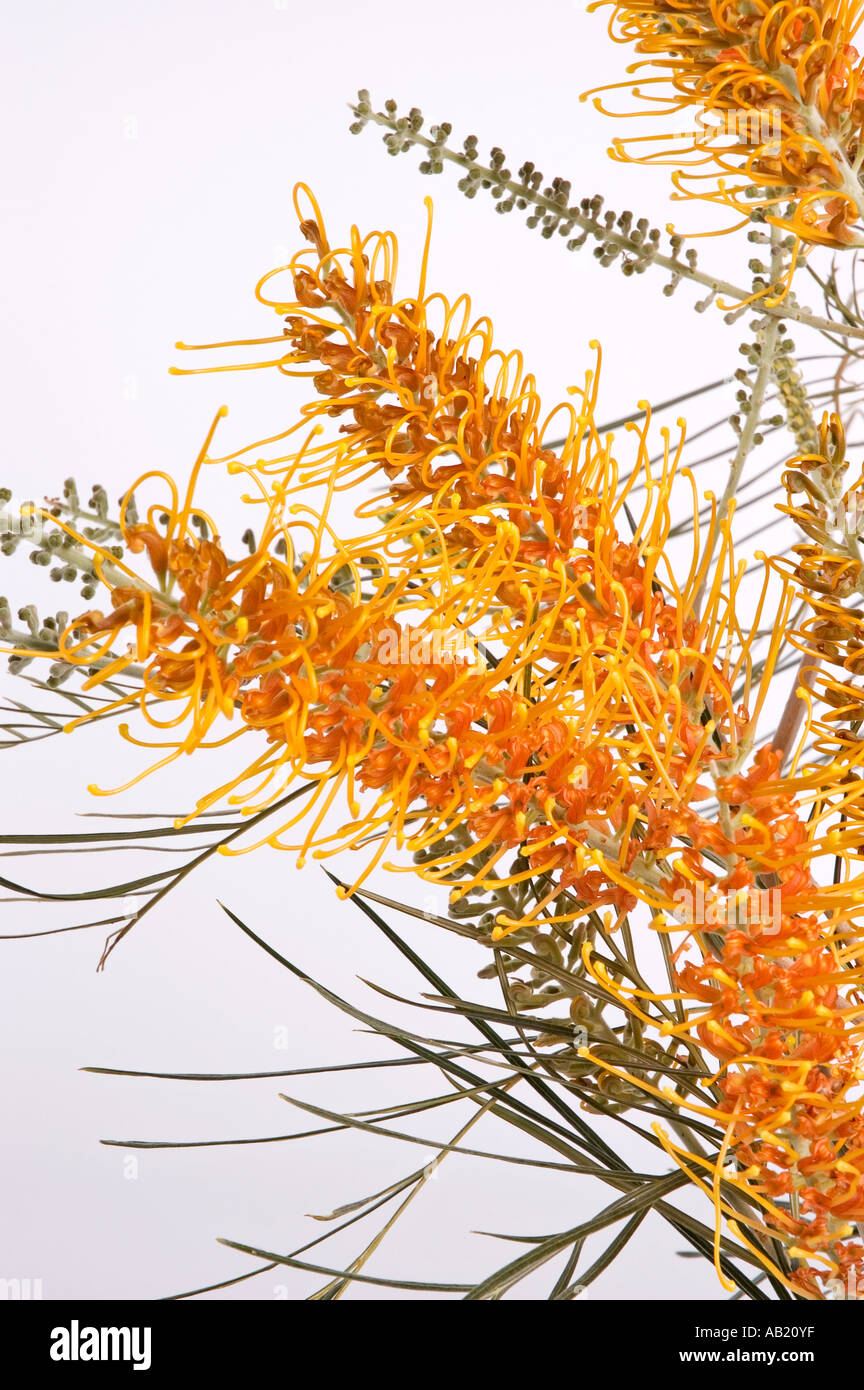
x=150 y=154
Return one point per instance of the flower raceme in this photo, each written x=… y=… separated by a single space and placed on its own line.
x=603 y=657
x=828 y=576
x=285 y=646
x=452 y=426
x=778 y=1003
x=773 y=97
x=301 y=651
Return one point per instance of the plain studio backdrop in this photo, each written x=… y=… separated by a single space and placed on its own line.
x=151 y=151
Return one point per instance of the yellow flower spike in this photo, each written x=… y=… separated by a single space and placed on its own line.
x=734 y=63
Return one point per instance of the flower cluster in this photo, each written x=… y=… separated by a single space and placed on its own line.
x=778 y=1003
x=773 y=95
x=828 y=574
x=612 y=685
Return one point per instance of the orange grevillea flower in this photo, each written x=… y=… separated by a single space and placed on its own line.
x=767 y=979
x=613 y=684
x=828 y=574
x=306 y=651
x=577 y=744
x=452 y=427
x=609 y=684
x=773 y=988
x=773 y=95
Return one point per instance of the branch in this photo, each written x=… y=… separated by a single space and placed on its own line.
x=638 y=244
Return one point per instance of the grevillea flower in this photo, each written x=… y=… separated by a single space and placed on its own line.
x=302 y=650
x=612 y=681
x=829 y=578
x=578 y=766
x=778 y=998
x=773 y=97
x=578 y=744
